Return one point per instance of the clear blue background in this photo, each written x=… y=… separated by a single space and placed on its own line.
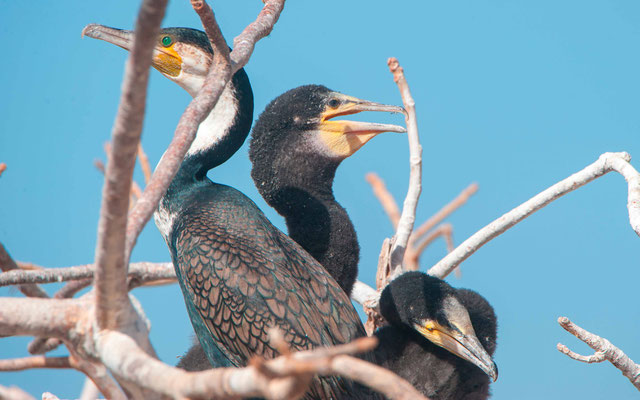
x=514 y=95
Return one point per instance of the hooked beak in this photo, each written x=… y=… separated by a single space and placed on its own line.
x=342 y=137
x=165 y=59
x=352 y=105
x=119 y=37
x=464 y=345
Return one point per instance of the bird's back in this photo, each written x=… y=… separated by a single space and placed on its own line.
x=241 y=276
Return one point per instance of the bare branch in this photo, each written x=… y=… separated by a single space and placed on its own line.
x=42 y=345
x=447 y=210
x=144 y=164
x=112 y=301
x=271 y=379
x=14 y=393
x=27 y=266
x=408 y=216
x=21 y=364
x=244 y=43
x=442 y=230
x=364 y=294
x=141 y=271
x=89 y=390
x=39 y=317
x=384 y=197
x=604 y=351
x=607 y=162
x=7 y=264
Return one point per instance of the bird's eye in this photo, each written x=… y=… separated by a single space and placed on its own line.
x=166 y=41
x=334 y=103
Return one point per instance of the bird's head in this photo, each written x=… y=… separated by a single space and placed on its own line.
x=181 y=54
x=431 y=307
x=307 y=113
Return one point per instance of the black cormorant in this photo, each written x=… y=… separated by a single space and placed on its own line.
x=295 y=151
x=440 y=339
x=238 y=273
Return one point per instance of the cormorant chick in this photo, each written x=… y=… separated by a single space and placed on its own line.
x=439 y=339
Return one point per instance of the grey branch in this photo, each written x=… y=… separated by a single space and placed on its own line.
x=112 y=302
x=141 y=271
x=408 y=216
x=604 y=350
x=277 y=378
x=607 y=162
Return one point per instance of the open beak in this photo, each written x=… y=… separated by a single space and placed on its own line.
x=165 y=59
x=343 y=137
x=351 y=105
x=466 y=346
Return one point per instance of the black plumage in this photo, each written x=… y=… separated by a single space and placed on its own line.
x=436 y=372
x=294 y=170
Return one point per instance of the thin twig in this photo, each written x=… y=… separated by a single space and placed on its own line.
x=604 y=351
x=7 y=264
x=447 y=210
x=21 y=364
x=141 y=271
x=144 y=164
x=384 y=197
x=442 y=230
x=14 y=393
x=607 y=162
x=408 y=216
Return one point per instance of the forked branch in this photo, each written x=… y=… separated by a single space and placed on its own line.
x=604 y=350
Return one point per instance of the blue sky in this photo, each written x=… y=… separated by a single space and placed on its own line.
x=514 y=95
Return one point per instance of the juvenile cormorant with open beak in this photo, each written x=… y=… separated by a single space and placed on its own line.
x=238 y=273
x=295 y=150
x=440 y=339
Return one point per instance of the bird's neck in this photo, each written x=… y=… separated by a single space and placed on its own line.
x=218 y=137
x=303 y=195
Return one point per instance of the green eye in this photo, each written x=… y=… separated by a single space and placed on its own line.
x=166 y=41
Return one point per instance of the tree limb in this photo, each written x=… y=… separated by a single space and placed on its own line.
x=269 y=379
x=604 y=351
x=607 y=162
x=112 y=301
x=408 y=216
x=141 y=271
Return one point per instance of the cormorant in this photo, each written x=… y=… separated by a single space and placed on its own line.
x=295 y=150
x=238 y=273
x=440 y=339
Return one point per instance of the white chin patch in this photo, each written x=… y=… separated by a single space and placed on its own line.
x=217 y=123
